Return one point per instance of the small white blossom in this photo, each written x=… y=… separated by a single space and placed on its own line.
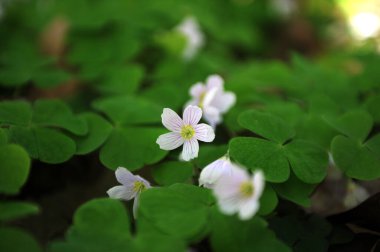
x=212 y=98
x=190 y=29
x=132 y=186
x=185 y=132
x=355 y=195
x=212 y=172
x=239 y=193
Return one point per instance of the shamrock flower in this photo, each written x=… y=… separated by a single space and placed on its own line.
x=239 y=192
x=212 y=172
x=132 y=186
x=186 y=131
x=355 y=194
x=212 y=98
x=190 y=29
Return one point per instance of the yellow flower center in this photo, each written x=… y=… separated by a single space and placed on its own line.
x=246 y=189
x=187 y=132
x=138 y=186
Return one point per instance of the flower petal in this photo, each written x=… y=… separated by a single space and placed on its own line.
x=136 y=202
x=171 y=120
x=258 y=181
x=170 y=141
x=146 y=182
x=197 y=90
x=248 y=209
x=190 y=149
x=204 y=132
x=212 y=116
x=223 y=101
x=215 y=80
x=124 y=176
x=192 y=115
x=212 y=172
x=121 y=192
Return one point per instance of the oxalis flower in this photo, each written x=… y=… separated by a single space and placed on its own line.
x=212 y=172
x=239 y=192
x=132 y=186
x=190 y=29
x=212 y=98
x=185 y=131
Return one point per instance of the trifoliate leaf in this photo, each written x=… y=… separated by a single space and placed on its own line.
x=98 y=131
x=132 y=147
x=357 y=160
x=172 y=172
x=268 y=201
x=174 y=212
x=255 y=153
x=266 y=125
x=229 y=233
x=15 y=112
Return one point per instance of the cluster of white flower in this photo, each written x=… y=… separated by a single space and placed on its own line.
x=235 y=189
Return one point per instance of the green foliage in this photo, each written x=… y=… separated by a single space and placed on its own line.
x=229 y=234
x=14 y=210
x=172 y=172
x=104 y=225
x=14 y=168
x=12 y=239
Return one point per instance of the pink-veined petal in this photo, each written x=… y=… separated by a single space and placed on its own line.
x=190 y=149
x=212 y=172
x=170 y=141
x=209 y=96
x=146 y=182
x=121 y=192
x=192 y=115
x=197 y=90
x=215 y=81
x=204 y=132
x=124 y=176
x=171 y=120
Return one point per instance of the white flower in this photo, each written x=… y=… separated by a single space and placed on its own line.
x=194 y=36
x=132 y=186
x=212 y=172
x=239 y=193
x=212 y=98
x=355 y=195
x=186 y=131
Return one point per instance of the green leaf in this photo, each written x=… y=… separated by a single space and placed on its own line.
x=3 y=137
x=15 y=112
x=354 y=124
x=209 y=154
x=132 y=147
x=57 y=114
x=121 y=80
x=48 y=145
x=15 y=240
x=372 y=106
x=127 y=110
x=98 y=131
x=255 y=153
x=357 y=160
x=268 y=200
x=14 y=210
x=228 y=234
x=14 y=168
x=266 y=125
x=50 y=77
x=175 y=213
x=172 y=172
x=295 y=190
x=308 y=161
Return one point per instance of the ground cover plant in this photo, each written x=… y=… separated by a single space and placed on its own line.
x=188 y=126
